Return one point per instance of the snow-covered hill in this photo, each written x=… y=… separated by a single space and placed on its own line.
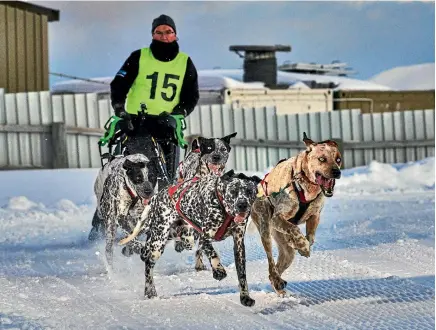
x=412 y=77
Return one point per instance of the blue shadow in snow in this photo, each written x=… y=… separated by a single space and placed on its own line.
x=383 y=292
x=8 y=321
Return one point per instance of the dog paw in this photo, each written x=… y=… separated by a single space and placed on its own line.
x=178 y=246
x=277 y=283
x=304 y=252
x=281 y=284
x=150 y=292
x=219 y=274
x=247 y=301
x=304 y=249
x=127 y=251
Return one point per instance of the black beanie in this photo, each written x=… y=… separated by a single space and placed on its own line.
x=163 y=20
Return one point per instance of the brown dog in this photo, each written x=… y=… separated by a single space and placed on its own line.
x=292 y=193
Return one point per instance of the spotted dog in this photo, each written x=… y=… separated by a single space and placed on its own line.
x=217 y=207
x=291 y=194
x=122 y=185
x=207 y=155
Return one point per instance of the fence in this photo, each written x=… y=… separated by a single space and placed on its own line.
x=39 y=130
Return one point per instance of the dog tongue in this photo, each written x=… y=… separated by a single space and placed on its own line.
x=215 y=168
x=240 y=217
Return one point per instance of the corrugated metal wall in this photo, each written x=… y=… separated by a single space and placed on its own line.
x=85 y=110
x=23 y=50
x=384 y=101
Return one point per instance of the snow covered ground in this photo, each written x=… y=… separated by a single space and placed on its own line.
x=372 y=267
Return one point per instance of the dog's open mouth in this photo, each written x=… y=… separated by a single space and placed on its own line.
x=327 y=185
x=240 y=217
x=145 y=200
x=216 y=168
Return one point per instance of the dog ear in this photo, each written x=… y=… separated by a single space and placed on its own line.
x=330 y=143
x=308 y=142
x=227 y=138
x=255 y=179
x=228 y=175
x=127 y=164
x=195 y=144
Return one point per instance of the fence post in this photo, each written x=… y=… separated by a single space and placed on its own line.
x=59 y=145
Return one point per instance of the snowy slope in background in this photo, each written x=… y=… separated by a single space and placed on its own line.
x=412 y=77
x=372 y=265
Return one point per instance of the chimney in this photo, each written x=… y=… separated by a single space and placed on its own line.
x=260 y=62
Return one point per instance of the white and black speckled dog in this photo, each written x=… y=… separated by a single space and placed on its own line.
x=206 y=155
x=217 y=207
x=122 y=185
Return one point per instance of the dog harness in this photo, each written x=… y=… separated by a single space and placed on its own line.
x=135 y=197
x=221 y=230
x=303 y=204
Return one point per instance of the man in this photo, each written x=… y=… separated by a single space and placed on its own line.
x=164 y=80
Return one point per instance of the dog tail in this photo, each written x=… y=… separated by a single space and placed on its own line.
x=251 y=227
x=137 y=229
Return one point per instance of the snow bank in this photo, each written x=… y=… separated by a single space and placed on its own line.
x=382 y=178
x=412 y=77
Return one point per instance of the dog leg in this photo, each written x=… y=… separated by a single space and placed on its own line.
x=311 y=226
x=240 y=262
x=286 y=252
x=98 y=229
x=199 y=265
x=110 y=239
x=297 y=238
x=154 y=247
x=218 y=269
x=260 y=215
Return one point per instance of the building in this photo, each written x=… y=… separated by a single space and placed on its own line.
x=24 y=46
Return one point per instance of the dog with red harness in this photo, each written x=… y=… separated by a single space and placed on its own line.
x=122 y=185
x=216 y=207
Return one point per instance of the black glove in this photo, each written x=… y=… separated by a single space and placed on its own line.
x=126 y=123
x=164 y=114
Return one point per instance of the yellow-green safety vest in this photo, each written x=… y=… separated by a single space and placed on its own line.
x=158 y=84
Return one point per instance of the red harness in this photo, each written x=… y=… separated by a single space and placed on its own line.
x=222 y=230
x=133 y=195
x=297 y=189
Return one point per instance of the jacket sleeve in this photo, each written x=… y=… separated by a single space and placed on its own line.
x=124 y=79
x=189 y=95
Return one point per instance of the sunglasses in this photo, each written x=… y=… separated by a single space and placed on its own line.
x=164 y=33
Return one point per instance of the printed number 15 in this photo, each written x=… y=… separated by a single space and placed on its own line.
x=166 y=84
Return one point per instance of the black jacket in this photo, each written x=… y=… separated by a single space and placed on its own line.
x=125 y=77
